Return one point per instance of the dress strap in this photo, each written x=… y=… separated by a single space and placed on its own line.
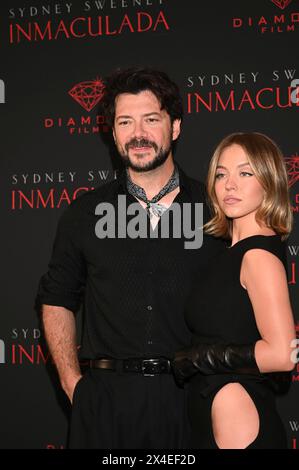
x=271 y=243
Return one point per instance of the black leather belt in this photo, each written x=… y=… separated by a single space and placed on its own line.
x=147 y=367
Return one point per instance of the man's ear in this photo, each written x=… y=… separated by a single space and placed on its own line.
x=113 y=133
x=176 y=128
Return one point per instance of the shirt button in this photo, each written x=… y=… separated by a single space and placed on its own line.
x=149 y=307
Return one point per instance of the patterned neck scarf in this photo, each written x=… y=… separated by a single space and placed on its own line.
x=152 y=205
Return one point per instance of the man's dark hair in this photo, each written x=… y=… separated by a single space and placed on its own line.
x=136 y=79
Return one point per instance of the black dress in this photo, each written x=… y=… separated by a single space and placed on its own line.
x=220 y=311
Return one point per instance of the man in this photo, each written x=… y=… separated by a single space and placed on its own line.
x=133 y=289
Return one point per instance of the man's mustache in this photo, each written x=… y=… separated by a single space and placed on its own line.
x=139 y=143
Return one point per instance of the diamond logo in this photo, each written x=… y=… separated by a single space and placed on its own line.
x=292 y=164
x=282 y=4
x=88 y=94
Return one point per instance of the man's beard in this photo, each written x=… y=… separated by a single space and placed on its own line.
x=158 y=160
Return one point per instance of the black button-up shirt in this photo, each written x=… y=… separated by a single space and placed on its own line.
x=133 y=290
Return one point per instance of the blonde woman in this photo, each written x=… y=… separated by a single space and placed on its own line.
x=240 y=313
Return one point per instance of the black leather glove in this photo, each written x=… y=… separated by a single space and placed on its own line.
x=214 y=359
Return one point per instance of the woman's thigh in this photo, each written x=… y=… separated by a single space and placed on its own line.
x=235 y=418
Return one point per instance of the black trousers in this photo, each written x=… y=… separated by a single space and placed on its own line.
x=116 y=410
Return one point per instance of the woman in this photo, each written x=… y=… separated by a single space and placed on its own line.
x=240 y=313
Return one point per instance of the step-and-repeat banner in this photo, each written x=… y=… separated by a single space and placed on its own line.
x=236 y=63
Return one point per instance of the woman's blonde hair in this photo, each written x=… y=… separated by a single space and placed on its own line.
x=268 y=165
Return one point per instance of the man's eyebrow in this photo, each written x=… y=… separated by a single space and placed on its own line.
x=153 y=112
x=127 y=116
x=123 y=116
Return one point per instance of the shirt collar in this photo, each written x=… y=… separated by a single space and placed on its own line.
x=184 y=183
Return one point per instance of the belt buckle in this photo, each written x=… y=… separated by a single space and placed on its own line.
x=145 y=363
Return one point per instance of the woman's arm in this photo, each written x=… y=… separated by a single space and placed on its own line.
x=264 y=277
